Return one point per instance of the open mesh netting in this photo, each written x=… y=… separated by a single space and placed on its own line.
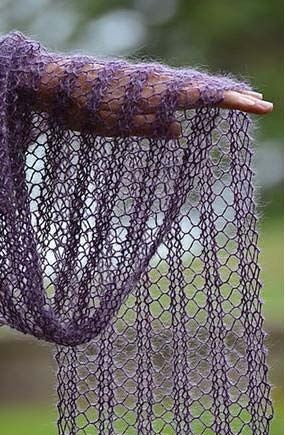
x=128 y=238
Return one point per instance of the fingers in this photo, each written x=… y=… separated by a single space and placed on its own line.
x=107 y=121
x=142 y=125
x=255 y=94
x=246 y=102
x=151 y=95
x=108 y=124
x=111 y=102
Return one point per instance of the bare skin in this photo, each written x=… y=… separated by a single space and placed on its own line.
x=108 y=113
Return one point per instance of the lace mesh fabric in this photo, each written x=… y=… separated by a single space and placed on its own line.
x=135 y=254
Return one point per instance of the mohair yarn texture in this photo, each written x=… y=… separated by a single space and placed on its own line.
x=129 y=241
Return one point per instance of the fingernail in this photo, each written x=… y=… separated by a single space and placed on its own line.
x=264 y=105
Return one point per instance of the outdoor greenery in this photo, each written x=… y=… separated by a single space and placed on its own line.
x=34 y=420
x=243 y=38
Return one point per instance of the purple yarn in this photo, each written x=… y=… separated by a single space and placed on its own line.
x=136 y=256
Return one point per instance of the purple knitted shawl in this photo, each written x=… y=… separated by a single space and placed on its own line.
x=128 y=239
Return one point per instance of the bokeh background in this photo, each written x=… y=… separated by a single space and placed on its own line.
x=244 y=37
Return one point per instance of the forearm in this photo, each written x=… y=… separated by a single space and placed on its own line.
x=118 y=98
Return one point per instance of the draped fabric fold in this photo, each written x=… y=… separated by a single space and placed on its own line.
x=128 y=239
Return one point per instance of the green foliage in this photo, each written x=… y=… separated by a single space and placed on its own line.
x=242 y=37
x=41 y=421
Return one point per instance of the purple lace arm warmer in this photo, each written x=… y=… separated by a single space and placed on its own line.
x=128 y=239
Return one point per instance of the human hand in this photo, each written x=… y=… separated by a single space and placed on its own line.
x=246 y=101
x=143 y=122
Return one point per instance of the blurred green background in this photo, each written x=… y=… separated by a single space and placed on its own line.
x=242 y=37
